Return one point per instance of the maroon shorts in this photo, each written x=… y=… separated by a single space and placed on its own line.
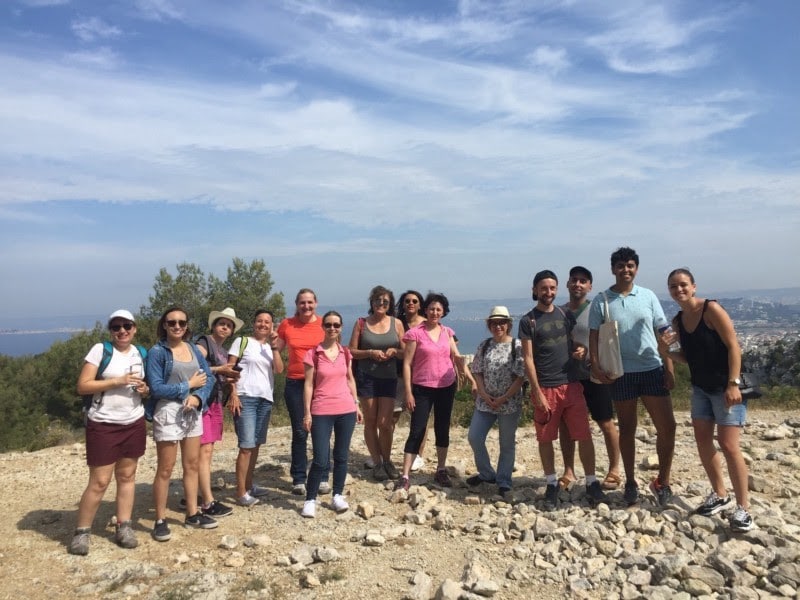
x=106 y=443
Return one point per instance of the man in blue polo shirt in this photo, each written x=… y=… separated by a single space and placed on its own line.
x=648 y=375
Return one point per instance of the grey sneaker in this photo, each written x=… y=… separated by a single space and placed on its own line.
x=631 y=494
x=661 y=492
x=161 y=532
x=124 y=535
x=247 y=500
x=299 y=489
x=551 y=497
x=595 y=493
x=339 y=504
x=324 y=488
x=257 y=490
x=741 y=520
x=80 y=542
x=712 y=505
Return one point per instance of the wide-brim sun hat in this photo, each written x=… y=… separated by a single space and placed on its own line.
x=499 y=312
x=121 y=314
x=225 y=313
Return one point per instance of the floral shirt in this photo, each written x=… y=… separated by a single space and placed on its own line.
x=498 y=372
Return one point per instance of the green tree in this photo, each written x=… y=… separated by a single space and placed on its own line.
x=187 y=289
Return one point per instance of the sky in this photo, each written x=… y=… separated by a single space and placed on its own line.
x=459 y=146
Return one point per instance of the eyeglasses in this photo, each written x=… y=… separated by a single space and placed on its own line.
x=332 y=325
x=411 y=301
x=381 y=302
x=116 y=327
x=498 y=323
x=176 y=323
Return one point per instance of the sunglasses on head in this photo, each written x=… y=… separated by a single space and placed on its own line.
x=117 y=326
x=176 y=323
x=330 y=325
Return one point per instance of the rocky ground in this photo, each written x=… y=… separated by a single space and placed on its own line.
x=432 y=542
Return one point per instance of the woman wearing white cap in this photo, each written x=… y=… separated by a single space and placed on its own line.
x=222 y=325
x=112 y=379
x=499 y=371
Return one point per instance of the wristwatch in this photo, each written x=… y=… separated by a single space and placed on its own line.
x=735 y=381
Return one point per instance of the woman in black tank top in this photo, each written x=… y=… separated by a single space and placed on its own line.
x=710 y=348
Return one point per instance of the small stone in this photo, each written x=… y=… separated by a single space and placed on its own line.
x=485 y=587
x=449 y=590
x=374 y=540
x=472 y=500
x=228 y=542
x=309 y=580
x=235 y=559
x=259 y=539
x=365 y=510
x=325 y=554
x=182 y=558
x=650 y=461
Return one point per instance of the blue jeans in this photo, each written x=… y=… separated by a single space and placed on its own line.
x=253 y=421
x=293 y=395
x=478 y=430
x=321 y=427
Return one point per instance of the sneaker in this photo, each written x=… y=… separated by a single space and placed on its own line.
x=80 y=542
x=475 y=481
x=369 y=463
x=391 y=470
x=299 y=489
x=662 y=493
x=442 y=478
x=631 y=494
x=595 y=493
x=339 y=504
x=418 y=464
x=379 y=473
x=712 y=505
x=217 y=509
x=551 y=496
x=504 y=491
x=200 y=521
x=741 y=520
x=124 y=536
x=257 y=490
x=402 y=484
x=247 y=500
x=324 y=488
x=309 y=509
x=161 y=532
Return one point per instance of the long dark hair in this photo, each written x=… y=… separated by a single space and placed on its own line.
x=162 y=323
x=401 y=306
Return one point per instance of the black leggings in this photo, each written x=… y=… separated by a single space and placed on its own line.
x=427 y=398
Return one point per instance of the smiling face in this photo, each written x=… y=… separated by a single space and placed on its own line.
x=434 y=312
x=578 y=286
x=332 y=325
x=681 y=287
x=122 y=332
x=625 y=271
x=499 y=328
x=262 y=326
x=175 y=324
x=546 y=291
x=305 y=305
x=412 y=305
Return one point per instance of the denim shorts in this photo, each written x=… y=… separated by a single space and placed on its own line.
x=253 y=421
x=710 y=406
x=368 y=386
x=633 y=385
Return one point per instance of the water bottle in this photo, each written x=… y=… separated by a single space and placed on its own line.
x=674 y=346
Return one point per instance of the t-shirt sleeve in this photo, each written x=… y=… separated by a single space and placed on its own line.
x=412 y=335
x=234 y=351
x=282 y=329
x=659 y=319
x=308 y=357
x=524 y=331
x=95 y=355
x=477 y=359
x=518 y=368
x=595 y=313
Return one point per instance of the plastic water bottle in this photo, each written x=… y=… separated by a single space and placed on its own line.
x=674 y=346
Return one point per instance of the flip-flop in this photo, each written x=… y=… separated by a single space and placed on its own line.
x=565 y=482
x=612 y=481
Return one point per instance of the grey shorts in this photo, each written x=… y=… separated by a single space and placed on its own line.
x=171 y=423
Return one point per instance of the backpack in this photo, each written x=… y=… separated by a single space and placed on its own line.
x=108 y=351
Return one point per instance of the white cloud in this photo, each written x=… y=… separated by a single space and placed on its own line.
x=89 y=29
x=277 y=90
x=554 y=59
x=102 y=58
x=159 y=10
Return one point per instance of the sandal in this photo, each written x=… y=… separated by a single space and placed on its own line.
x=565 y=483
x=612 y=481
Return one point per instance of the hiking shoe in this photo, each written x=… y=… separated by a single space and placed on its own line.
x=631 y=494
x=200 y=521
x=80 y=542
x=418 y=464
x=161 y=532
x=124 y=535
x=339 y=504
x=391 y=470
x=257 y=490
x=595 y=493
x=741 y=519
x=662 y=493
x=402 y=484
x=217 y=509
x=299 y=489
x=504 y=491
x=475 y=481
x=442 y=478
x=369 y=463
x=712 y=505
x=247 y=500
x=379 y=472
x=309 y=509
x=324 y=488
x=551 y=496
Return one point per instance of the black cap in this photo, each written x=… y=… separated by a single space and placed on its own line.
x=546 y=274
x=579 y=270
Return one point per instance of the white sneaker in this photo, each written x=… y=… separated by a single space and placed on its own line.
x=309 y=509
x=418 y=464
x=324 y=488
x=369 y=463
x=339 y=504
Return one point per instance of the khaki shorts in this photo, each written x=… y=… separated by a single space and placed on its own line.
x=171 y=423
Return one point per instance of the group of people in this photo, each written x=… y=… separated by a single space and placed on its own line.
x=401 y=356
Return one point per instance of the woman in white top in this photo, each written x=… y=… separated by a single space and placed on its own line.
x=115 y=427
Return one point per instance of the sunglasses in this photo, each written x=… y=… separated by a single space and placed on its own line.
x=176 y=323
x=332 y=325
x=410 y=301
x=116 y=327
x=381 y=302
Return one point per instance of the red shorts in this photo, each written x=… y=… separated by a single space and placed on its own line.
x=213 y=419
x=106 y=443
x=568 y=404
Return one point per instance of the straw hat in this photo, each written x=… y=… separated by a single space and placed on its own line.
x=226 y=313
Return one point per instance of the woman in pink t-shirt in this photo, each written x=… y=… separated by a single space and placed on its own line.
x=330 y=405
x=430 y=381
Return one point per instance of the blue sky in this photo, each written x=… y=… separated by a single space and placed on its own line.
x=459 y=146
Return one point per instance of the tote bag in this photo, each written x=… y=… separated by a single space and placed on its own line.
x=609 y=356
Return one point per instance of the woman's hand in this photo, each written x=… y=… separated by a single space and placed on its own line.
x=359 y=415
x=235 y=405
x=411 y=404
x=197 y=380
x=600 y=376
x=192 y=402
x=228 y=372
x=733 y=395
x=307 y=423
